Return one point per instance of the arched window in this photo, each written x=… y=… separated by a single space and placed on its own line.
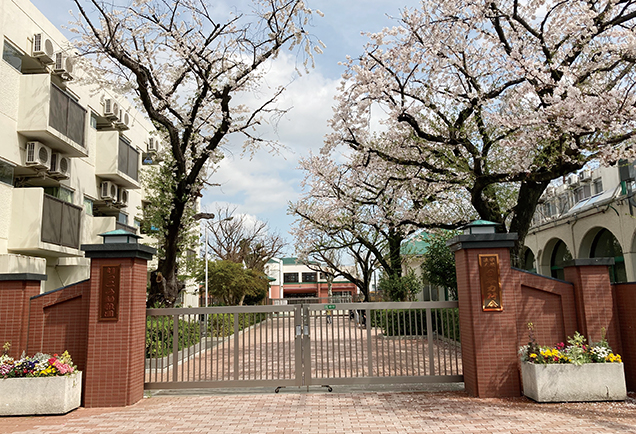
x=605 y=245
x=528 y=261
x=560 y=255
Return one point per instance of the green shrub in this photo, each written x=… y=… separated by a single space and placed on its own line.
x=413 y=322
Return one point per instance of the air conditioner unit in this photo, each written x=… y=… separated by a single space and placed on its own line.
x=63 y=66
x=123 y=121
x=111 y=109
x=122 y=198
x=586 y=175
x=153 y=145
x=38 y=155
x=43 y=49
x=60 y=165
x=108 y=191
x=573 y=179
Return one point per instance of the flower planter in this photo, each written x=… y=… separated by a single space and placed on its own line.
x=40 y=395
x=574 y=383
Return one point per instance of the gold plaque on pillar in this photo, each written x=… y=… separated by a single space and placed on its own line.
x=109 y=293
x=490 y=282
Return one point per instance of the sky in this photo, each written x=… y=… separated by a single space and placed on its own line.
x=263 y=186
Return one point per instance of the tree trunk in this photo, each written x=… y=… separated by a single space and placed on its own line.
x=527 y=200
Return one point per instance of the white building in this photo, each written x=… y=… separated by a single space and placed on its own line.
x=590 y=214
x=70 y=155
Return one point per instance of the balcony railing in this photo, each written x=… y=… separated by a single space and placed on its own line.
x=60 y=222
x=117 y=160
x=122 y=226
x=51 y=116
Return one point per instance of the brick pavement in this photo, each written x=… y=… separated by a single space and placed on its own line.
x=294 y=411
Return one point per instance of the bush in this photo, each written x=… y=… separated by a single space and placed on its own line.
x=413 y=322
x=159 y=330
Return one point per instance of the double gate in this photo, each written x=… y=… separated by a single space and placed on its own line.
x=303 y=345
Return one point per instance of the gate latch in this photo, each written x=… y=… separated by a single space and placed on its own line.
x=306 y=330
x=298 y=331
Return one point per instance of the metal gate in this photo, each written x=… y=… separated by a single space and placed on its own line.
x=298 y=345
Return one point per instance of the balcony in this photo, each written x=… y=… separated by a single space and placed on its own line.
x=116 y=160
x=50 y=116
x=42 y=225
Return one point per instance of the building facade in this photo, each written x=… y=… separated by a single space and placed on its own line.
x=589 y=214
x=289 y=278
x=70 y=155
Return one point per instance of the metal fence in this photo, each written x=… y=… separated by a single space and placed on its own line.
x=295 y=345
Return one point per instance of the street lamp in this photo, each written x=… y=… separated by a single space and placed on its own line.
x=227 y=219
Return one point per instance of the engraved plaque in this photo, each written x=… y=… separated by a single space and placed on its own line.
x=490 y=283
x=109 y=293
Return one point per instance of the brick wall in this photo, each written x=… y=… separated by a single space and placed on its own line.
x=625 y=303
x=549 y=304
x=58 y=321
x=14 y=313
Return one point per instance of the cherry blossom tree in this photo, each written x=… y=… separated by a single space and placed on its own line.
x=494 y=99
x=190 y=70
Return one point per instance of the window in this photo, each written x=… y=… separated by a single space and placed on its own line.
x=12 y=56
x=60 y=193
x=67 y=116
x=290 y=277
x=310 y=277
x=88 y=206
x=6 y=173
x=598 y=185
x=582 y=193
x=128 y=161
x=122 y=218
x=560 y=255
x=93 y=121
x=605 y=245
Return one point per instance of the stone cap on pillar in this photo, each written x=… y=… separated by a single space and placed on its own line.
x=482 y=241
x=119 y=244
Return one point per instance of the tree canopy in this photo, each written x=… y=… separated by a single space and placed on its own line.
x=486 y=102
x=187 y=68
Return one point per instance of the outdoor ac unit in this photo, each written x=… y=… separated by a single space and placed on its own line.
x=60 y=165
x=43 y=49
x=111 y=109
x=586 y=175
x=153 y=144
x=573 y=179
x=108 y=191
x=122 y=198
x=38 y=155
x=63 y=66
x=123 y=121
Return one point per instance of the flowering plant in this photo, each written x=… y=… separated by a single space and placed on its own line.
x=577 y=352
x=40 y=365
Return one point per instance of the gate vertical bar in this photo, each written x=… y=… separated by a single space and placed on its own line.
x=236 y=346
x=429 y=339
x=298 y=341
x=175 y=347
x=306 y=351
x=369 y=344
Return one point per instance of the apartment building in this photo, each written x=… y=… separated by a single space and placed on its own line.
x=590 y=214
x=70 y=154
x=290 y=278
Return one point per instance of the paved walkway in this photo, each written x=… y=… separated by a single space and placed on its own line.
x=369 y=412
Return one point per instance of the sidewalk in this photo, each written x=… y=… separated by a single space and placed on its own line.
x=317 y=411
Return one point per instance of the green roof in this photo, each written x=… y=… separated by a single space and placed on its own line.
x=417 y=245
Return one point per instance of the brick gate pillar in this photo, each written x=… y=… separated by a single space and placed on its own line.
x=114 y=374
x=487 y=295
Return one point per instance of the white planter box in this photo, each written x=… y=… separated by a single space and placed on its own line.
x=572 y=383
x=40 y=395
